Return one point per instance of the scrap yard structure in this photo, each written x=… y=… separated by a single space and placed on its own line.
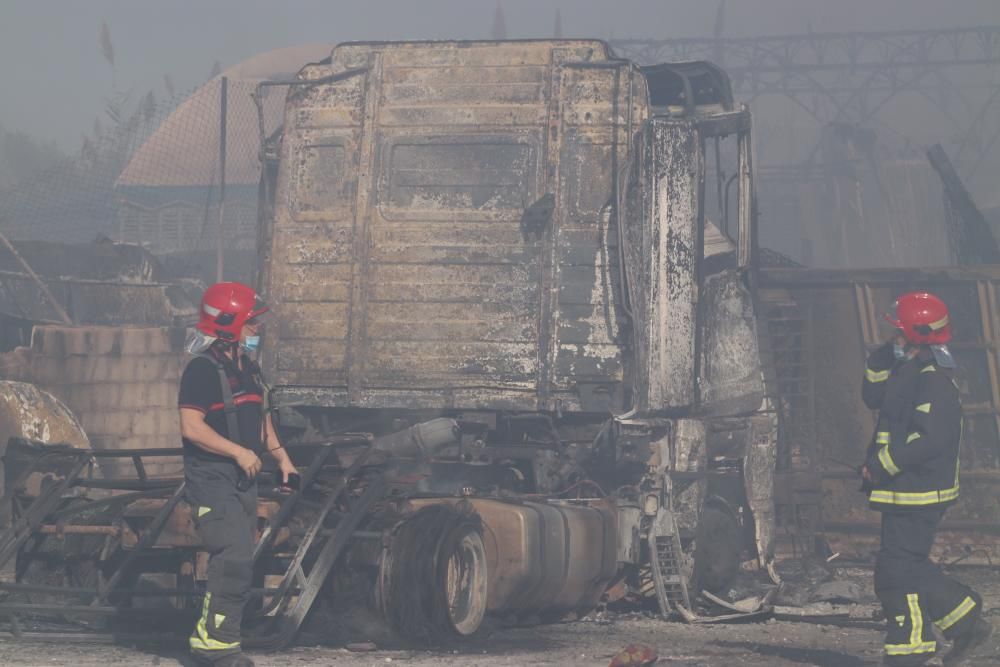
x=495 y=280
x=529 y=355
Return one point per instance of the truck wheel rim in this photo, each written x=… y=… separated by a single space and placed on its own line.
x=466 y=583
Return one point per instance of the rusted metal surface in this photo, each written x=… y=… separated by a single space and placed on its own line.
x=400 y=261
x=448 y=232
x=837 y=318
x=33 y=414
x=664 y=253
x=578 y=546
x=758 y=474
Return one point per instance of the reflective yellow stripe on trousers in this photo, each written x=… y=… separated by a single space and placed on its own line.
x=957 y=614
x=200 y=639
x=916 y=645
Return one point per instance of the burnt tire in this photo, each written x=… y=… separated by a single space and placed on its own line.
x=433 y=577
x=717 y=550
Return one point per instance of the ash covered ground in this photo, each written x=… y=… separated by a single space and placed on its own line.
x=775 y=642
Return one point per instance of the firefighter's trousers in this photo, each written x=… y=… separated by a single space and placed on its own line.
x=226 y=520
x=914 y=592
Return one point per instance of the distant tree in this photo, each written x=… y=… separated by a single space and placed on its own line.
x=149 y=106
x=168 y=83
x=499 y=24
x=108 y=50
x=557 y=28
x=216 y=70
x=22 y=157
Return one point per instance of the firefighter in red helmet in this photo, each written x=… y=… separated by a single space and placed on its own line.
x=226 y=432
x=912 y=476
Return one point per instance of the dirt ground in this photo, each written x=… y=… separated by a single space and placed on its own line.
x=593 y=641
x=767 y=644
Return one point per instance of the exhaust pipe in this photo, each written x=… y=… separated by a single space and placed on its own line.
x=421 y=441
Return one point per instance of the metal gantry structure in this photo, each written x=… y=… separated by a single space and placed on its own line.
x=851 y=77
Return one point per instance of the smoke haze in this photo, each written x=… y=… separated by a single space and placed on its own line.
x=55 y=79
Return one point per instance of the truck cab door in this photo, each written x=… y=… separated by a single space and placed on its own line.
x=729 y=378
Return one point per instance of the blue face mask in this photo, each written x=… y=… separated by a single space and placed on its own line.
x=250 y=343
x=899 y=351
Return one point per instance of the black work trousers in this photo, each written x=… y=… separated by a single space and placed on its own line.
x=226 y=519
x=914 y=592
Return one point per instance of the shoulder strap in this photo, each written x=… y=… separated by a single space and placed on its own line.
x=258 y=375
x=229 y=406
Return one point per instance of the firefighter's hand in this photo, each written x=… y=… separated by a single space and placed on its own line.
x=866 y=475
x=287 y=468
x=867 y=480
x=248 y=462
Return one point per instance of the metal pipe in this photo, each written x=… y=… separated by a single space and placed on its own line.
x=725 y=214
x=160 y=592
x=421 y=441
x=127 y=485
x=222 y=175
x=55 y=529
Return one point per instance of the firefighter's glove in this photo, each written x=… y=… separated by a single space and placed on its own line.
x=883 y=358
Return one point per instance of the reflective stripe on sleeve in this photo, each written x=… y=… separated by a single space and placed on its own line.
x=885 y=458
x=876 y=376
x=913 y=436
x=882 y=438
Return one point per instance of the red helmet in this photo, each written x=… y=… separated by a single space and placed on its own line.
x=226 y=307
x=922 y=317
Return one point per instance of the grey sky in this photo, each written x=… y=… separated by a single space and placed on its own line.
x=53 y=78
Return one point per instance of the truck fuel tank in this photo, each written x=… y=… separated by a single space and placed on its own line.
x=544 y=558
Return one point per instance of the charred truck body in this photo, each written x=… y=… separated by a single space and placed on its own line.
x=516 y=357
x=513 y=238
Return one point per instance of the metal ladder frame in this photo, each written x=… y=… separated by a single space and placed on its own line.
x=668 y=579
x=291 y=599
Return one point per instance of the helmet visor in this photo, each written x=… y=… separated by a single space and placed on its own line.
x=258 y=319
x=259 y=308
x=892 y=317
x=943 y=356
x=198 y=341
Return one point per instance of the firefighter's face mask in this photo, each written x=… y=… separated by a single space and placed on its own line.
x=900 y=346
x=250 y=341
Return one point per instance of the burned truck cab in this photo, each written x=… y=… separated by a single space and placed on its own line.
x=551 y=249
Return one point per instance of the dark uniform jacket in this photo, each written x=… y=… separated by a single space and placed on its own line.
x=200 y=390
x=914 y=455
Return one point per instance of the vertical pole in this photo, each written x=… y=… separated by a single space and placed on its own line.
x=222 y=176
